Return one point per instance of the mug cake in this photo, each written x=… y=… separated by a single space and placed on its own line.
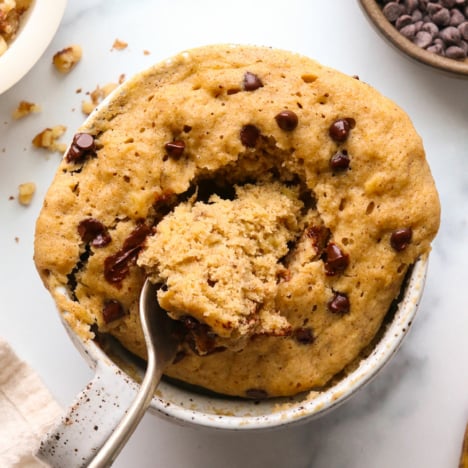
x=277 y=204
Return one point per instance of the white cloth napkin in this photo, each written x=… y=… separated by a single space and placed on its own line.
x=27 y=411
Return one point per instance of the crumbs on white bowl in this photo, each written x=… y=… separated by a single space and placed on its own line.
x=36 y=28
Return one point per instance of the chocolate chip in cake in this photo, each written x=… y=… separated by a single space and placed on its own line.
x=251 y=82
x=304 y=335
x=256 y=394
x=339 y=304
x=116 y=266
x=339 y=129
x=287 y=120
x=83 y=145
x=400 y=238
x=93 y=231
x=340 y=161
x=249 y=135
x=112 y=311
x=175 y=148
x=335 y=259
x=84 y=141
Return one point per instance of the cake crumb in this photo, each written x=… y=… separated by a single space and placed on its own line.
x=17 y=239
x=119 y=45
x=146 y=52
x=98 y=95
x=47 y=139
x=26 y=192
x=25 y=108
x=67 y=58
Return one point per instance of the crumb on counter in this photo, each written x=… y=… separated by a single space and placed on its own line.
x=119 y=45
x=67 y=58
x=25 y=108
x=26 y=192
x=146 y=52
x=11 y=12
x=48 y=139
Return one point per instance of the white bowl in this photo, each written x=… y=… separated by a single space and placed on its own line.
x=38 y=27
x=106 y=398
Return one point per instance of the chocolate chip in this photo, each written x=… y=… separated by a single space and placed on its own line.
x=450 y=35
x=84 y=141
x=339 y=129
x=93 y=231
x=340 y=161
x=335 y=259
x=400 y=238
x=339 y=304
x=74 y=154
x=287 y=120
x=175 y=148
x=392 y=11
x=456 y=17
x=249 y=135
x=251 y=82
x=411 y=5
x=116 y=266
x=81 y=147
x=423 y=39
x=408 y=31
x=112 y=310
x=455 y=52
x=198 y=336
x=304 y=335
x=431 y=28
x=319 y=237
x=463 y=28
x=256 y=394
x=403 y=20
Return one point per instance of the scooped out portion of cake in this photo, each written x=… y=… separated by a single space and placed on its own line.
x=218 y=261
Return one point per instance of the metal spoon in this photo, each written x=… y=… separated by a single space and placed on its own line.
x=161 y=346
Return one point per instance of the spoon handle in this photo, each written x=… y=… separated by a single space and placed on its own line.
x=114 y=444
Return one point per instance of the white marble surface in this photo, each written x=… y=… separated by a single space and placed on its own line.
x=414 y=413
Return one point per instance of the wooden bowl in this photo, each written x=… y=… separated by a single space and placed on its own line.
x=384 y=27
